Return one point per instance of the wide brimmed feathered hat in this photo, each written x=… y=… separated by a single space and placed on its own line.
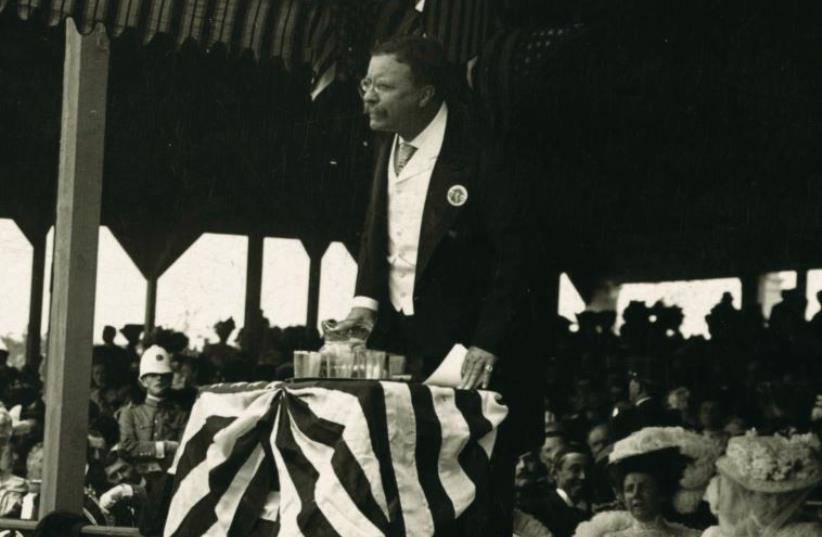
x=672 y=453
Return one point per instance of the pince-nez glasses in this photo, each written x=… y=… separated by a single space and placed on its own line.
x=366 y=85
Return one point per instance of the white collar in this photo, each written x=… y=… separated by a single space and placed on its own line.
x=642 y=400
x=567 y=499
x=432 y=134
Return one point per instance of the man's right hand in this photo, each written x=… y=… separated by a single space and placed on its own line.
x=358 y=318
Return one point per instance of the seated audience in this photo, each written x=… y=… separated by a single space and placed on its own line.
x=657 y=471
x=562 y=507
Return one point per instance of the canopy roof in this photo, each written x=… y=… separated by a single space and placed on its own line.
x=662 y=142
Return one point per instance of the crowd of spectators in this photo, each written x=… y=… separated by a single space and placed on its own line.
x=140 y=397
x=599 y=387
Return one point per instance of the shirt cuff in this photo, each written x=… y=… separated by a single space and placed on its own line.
x=365 y=302
x=160 y=447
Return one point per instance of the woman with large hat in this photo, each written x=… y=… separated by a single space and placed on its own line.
x=656 y=471
x=761 y=485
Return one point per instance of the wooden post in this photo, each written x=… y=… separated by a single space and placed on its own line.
x=38 y=274
x=151 y=307
x=253 y=290
x=802 y=282
x=750 y=289
x=79 y=188
x=315 y=255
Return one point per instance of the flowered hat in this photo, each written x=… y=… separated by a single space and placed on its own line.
x=694 y=454
x=773 y=464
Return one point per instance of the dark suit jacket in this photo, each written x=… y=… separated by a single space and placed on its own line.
x=650 y=413
x=555 y=514
x=470 y=284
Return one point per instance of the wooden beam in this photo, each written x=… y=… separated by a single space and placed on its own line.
x=151 y=307
x=253 y=291
x=315 y=256
x=751 y=292
x=802 y=282
x=38 y=275
x=79 y=188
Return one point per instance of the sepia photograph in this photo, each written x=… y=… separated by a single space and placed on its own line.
x=411 y=268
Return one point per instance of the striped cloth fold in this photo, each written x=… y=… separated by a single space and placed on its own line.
x=332 y=458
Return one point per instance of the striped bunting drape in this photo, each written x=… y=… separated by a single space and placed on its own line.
x=332 y=458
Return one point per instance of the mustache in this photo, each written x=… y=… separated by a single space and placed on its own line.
x=366 y=109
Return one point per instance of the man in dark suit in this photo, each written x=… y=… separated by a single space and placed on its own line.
x=561 y=508
x=442 y=258
x=646 y=408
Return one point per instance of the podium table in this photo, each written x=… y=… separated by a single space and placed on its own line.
x=348 y=458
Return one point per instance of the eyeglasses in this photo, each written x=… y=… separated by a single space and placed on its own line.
x=366 y=85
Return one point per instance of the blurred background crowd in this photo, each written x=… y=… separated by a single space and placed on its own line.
x=599 y=387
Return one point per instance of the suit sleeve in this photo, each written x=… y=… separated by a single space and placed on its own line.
x=502 y=217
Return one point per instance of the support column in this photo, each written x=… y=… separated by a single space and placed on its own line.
x=79 y=188
x=150 y=320
x=751 y=284
x=314 y=273
x=253 y=292
x=38 y=274
x=315 y=254
x=802 y=282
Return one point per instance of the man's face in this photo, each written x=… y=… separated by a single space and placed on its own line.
x=570 y=475
x=156 y=385
x=550 y=447
x=120 y=472
x=598 y=439
x=98 y=375
x=393 y=100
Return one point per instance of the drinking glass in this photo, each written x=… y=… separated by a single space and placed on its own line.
x=396 y=365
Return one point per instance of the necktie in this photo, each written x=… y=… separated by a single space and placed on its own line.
x=402 y=156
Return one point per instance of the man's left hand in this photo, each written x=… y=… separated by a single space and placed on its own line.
x=477 y=369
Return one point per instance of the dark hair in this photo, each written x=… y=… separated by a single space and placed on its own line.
x=568 y=449
x=113 y=457
x=424 y=55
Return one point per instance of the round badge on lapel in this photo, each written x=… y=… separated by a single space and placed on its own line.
x=457 y=195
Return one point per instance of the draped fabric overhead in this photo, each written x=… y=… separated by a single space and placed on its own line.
x=292 y=30
x=316 y=32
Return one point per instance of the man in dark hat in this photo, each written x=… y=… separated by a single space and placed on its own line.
x=442 y=259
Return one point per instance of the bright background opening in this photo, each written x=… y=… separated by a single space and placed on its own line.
x=337 y=280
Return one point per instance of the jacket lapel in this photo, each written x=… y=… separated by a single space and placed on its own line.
x=454 y=167
x=377 y=218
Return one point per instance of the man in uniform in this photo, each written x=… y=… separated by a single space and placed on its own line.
x=150 y=432
x=442 y=258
